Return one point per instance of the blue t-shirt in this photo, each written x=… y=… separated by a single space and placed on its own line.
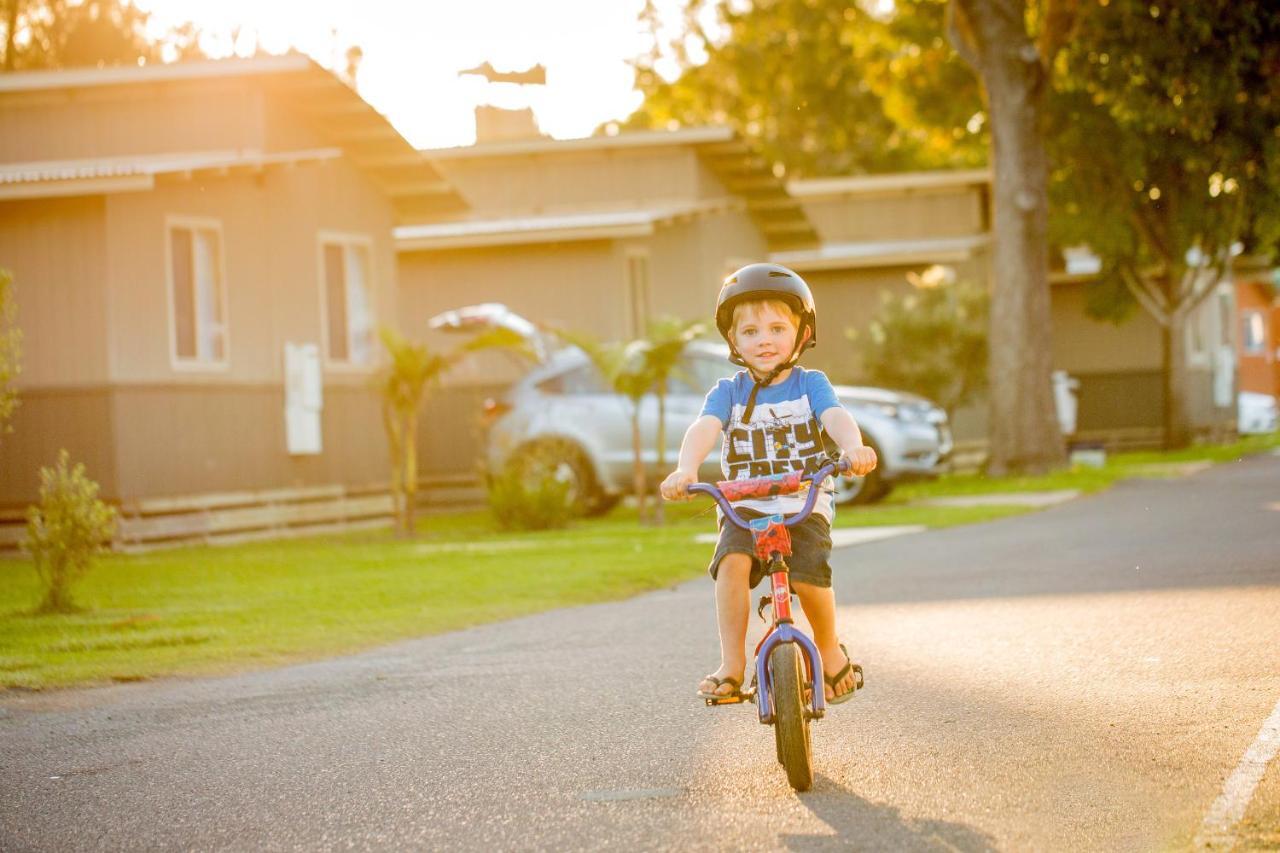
x=784 y=434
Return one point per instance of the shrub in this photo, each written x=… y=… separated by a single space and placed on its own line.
x=65 y=531
x=931 y=341
x=530 y=498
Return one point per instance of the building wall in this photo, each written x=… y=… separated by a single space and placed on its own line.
x=183 y=439
x=1120 y=366
x=270 y=226
x=48 y=420
x=920 y=214
x=1082 y=344
x=1260 y=371
x=566 y=285
x=57 y=252
x=573 y=180
x=117 y=121
x=690 y=261
x=98 y=376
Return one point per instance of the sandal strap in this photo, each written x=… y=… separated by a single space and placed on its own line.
x=833 y=680
x=849 y=666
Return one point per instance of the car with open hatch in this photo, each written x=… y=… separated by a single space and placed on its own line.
x=562 y=418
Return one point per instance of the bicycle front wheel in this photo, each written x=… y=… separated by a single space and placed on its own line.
x=790 y=725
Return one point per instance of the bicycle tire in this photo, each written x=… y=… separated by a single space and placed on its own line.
x=790 y=725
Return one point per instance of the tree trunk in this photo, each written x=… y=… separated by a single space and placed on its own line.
x=410 y=471
x=57 y=598
x=391 y=424
x=659 y=510
x=1177 y=402
x=1024 y=433
x=637 y=468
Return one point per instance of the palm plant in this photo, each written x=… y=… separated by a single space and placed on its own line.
x=666 y=341
x=623 y=366
x=413 y=370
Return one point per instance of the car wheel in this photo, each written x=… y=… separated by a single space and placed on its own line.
x=564 y=462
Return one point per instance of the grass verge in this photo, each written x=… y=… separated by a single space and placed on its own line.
x=201 y=611
x=1119 y=466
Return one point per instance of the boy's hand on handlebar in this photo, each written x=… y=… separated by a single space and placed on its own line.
x=862 y=460
x=676 y=486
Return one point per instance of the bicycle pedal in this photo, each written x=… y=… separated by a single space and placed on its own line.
x=735 y=699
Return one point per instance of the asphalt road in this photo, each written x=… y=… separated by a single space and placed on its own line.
x=1083 y=678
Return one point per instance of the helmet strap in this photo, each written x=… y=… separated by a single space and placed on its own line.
x=761 y=382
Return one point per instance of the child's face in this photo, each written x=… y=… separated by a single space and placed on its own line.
x=764 y=334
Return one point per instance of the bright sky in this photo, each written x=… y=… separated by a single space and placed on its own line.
x=414 y=51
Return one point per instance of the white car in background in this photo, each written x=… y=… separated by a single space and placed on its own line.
x=1257 y=413
x=563 y=410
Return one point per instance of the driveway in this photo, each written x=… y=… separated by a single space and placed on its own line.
x=1089 y=677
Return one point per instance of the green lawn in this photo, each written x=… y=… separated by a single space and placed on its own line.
x=196 y=611
x=1119 y=466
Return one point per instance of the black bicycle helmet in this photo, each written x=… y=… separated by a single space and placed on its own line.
x=767 y=281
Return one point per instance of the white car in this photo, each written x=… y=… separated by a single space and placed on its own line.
x=563 y=411
x=1257 y=413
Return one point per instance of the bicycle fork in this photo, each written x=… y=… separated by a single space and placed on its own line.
x=784 y=631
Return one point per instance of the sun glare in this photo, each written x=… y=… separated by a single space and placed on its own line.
x=412 y=54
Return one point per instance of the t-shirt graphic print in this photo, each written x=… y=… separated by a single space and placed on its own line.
x=783 y=435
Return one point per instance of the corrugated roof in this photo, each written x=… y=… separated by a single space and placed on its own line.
x=296 y=83
x=128 y=75
x=73 y=177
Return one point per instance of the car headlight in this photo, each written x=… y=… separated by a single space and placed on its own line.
x=889 y=410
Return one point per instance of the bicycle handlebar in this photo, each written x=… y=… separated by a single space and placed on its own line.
x=776 y=484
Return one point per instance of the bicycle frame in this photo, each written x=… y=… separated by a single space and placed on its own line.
x=772 y=543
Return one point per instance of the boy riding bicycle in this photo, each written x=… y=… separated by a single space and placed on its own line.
x=771 y=418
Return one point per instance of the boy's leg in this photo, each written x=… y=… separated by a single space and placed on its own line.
x=733 y=608
x=819 y=604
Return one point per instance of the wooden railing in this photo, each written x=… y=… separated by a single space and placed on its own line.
x=226 y=518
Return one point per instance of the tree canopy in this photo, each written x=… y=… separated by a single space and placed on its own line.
x=1164 y=140
x=1167 y=157
x=823 y=87
x=41 y=34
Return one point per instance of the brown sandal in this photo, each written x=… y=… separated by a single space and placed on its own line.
x=832 y=681
x=735 y=683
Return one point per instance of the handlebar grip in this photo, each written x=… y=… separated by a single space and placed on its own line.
x=762 y=487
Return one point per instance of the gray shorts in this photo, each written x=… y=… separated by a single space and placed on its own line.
x=810 y=549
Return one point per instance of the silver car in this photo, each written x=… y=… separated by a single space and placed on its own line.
x=562 y=410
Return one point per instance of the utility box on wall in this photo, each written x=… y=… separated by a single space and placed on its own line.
x=303 y=399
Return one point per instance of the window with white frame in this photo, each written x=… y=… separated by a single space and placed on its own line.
x=197 y=293
x=1253 y=332
x=638 y=292
x=348 y=301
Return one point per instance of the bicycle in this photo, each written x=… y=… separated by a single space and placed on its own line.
x=779 y=688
